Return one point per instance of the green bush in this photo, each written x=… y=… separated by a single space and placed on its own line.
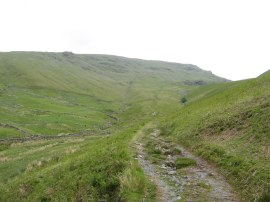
x=183 y=100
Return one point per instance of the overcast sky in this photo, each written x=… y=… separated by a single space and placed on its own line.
x=229 y=37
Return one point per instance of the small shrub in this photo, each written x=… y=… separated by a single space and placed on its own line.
x=183 y=100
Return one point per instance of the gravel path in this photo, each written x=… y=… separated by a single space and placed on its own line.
x=164 y=191
x=194 y=183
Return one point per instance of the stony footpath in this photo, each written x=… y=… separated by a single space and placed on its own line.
x=197 y=182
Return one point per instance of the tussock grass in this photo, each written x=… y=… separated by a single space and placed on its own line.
x=135 y=186
x=182 y=162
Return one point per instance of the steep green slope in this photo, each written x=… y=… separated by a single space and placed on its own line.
x=228 y=124
x=54 y=93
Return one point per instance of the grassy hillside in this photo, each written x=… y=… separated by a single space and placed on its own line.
x=52 y=93
x=109 y=98
x=228 y=124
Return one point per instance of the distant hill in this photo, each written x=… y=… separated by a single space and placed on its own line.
x=68 y=92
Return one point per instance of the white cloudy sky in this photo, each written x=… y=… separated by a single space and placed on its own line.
x=229 y=37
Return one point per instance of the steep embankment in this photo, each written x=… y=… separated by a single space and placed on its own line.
x=228 y=124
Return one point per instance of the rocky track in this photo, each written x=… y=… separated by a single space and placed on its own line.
x=200 y=182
